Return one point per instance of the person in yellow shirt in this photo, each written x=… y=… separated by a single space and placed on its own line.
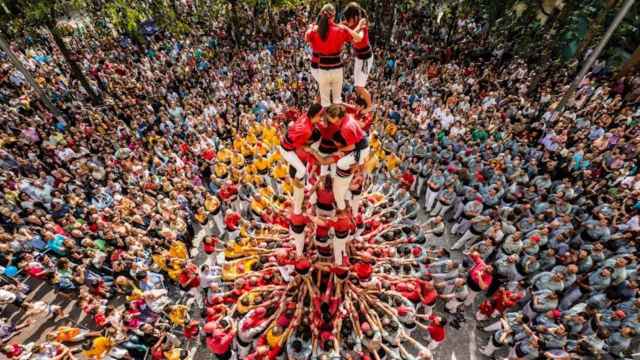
x=287 y=187
x=391 y=161
x=279 y=173
x=251 y=138
x=237 y=160
x=248 y=152
x=67 y=334
x=371 y=164
x=238 y=142
x=270 y=135
x=261 y=149
x=178 y=314
x=262 y=165
x=224 y=156
x=212 y=206
x=99 y=347
x=391 y=129
x=221 y=170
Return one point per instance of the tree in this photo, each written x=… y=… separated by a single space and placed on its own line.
x=631 y=64
x=37 y=13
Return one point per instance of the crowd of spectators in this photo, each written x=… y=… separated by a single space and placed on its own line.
x=107 y=202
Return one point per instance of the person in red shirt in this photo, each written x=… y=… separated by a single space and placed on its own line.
x=323 y=198
x=437 y=331
x=352 y=145
x=297 y=224
x=343 y=227
x=221 y=340
x=364 y=118
x=479 y=279
x=327 y=40
x=232 y=221
x=299 y=133
x=353 y=15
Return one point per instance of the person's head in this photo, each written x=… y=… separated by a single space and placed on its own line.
x=296 y=345
x=352 y=14
x=335 y=113
x=327 y=15
x=313 y=113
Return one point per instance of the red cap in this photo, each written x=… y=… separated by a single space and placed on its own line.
x=403 y=310
x=282 y=321
x=365 y=327
x=302 y=265
x=535 y=239
x=363 y=270
x=619 y=314
x=556 y=314
x=339 y=271
x=416 y=251
x=260 y=311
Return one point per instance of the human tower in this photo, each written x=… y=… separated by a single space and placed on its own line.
x=349 y=277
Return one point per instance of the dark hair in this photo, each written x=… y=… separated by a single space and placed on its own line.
x=297 y=345
x=314 y=109
x=353 y=11
x=336 y=111
x=327 y=12
x=361 y=102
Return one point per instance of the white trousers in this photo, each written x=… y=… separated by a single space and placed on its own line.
x=339 y=249
x=361 y=70
x=464 y=239
x=292 y=158
x=299 y=242
x=217 y=219
x=430 y=199
x=330 y=84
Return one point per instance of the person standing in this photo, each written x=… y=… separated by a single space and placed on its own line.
x=353 y=15
x=299 y=133
x=327 y=40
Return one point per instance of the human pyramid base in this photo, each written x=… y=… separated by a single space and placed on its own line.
x=349 y=278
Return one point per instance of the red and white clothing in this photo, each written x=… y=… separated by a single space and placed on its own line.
x=297 y=224
x=363 y=59
x=326 y=62
x=343 y=227
x=299 y=133
x=350 y=134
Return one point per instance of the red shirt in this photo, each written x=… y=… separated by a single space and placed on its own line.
x=350 y=131
x=322 y=231
x=231 y=221
x=208 y=154
x=298 y=219
x=343 y=224
x=364 y=43
x=325 y=197
x=298 y=133
x=407 y=178
x=227 y=192
x=436 y=332
x=326 y=53
x=220 y=341
x=477 y=271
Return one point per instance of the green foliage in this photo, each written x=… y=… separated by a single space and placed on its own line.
x=125 y=15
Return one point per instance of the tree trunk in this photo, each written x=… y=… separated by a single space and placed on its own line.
x=272 y=20
x=630 y=64
x=76 y=71
x=4 y=45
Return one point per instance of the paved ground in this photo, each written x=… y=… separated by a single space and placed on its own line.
x=460 y=344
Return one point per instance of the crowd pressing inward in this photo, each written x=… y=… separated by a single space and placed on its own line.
x=221 y=196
